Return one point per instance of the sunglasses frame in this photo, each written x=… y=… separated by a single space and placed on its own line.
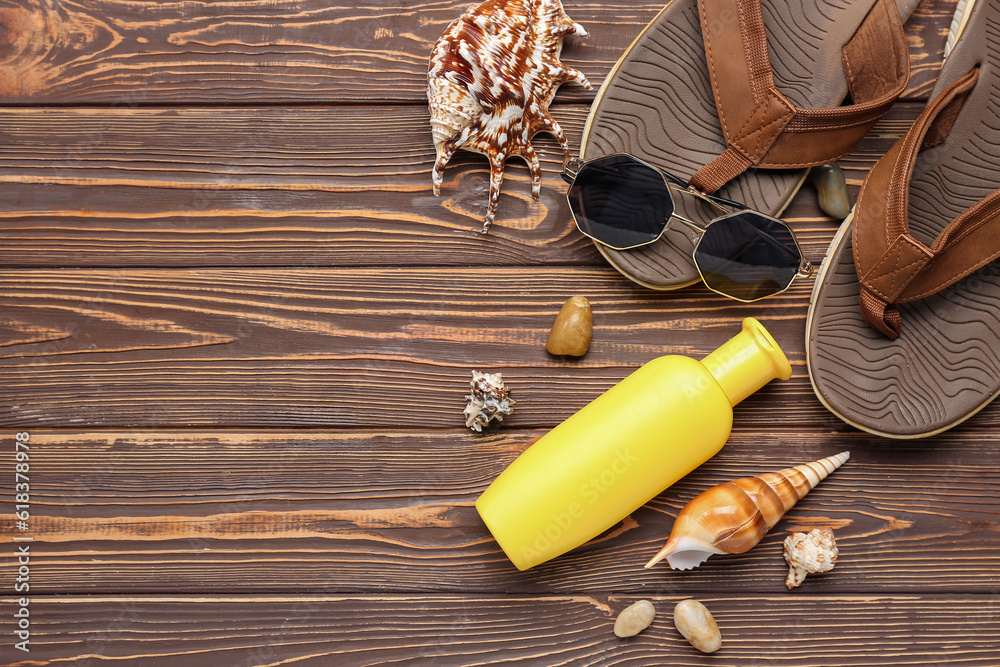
x=574 y=166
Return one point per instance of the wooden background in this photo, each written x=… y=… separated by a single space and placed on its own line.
x=239 y=329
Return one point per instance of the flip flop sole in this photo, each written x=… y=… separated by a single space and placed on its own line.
x=945 y=366
x=657 y=104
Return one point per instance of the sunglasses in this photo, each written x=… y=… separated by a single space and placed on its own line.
x=624 y=203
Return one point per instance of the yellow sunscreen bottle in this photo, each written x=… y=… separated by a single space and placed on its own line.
x=625 y=447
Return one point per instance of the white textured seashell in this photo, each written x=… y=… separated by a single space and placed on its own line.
x=490 y=399
x=809 y=553
x=732 y=518
x=491 y=78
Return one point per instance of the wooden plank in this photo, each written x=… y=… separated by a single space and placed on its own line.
x=128 y=53
x=392 y=510
x=464 y=630
x=296 y=187
x=313 y=347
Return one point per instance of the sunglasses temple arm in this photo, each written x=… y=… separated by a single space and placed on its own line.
x=713 y=199
x=728 y=202
x=676 y=180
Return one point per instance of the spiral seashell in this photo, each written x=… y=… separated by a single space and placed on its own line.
x=733 y=517
x=490 y=399
x=491 y=78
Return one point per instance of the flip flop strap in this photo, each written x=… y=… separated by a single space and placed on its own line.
x=761 y=126
x=892 y=265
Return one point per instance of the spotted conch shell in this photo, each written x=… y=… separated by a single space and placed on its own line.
x=492 y=76
x=733 y=517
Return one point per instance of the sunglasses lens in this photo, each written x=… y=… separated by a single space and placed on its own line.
x=620 y=202
x=747 y=256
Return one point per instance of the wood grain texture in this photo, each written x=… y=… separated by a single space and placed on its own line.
x=316 y=347
x=227 y=285
x=471 y=631
x=255 y=186
x=297 y=187
x=128 y=53
x=356 y=511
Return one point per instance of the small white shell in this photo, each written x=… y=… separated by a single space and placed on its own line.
x=809 y=553
x=490 y=399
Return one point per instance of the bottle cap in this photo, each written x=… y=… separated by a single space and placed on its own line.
x=747 y=362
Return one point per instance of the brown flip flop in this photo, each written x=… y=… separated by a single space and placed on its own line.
x=903 y=331
x=800 y=56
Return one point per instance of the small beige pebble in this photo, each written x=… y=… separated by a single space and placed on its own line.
x=634 y=619
x=695 y=622
x=573 y=328
x=832 y=188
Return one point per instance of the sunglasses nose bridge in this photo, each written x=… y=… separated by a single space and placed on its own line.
x=698 y=227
